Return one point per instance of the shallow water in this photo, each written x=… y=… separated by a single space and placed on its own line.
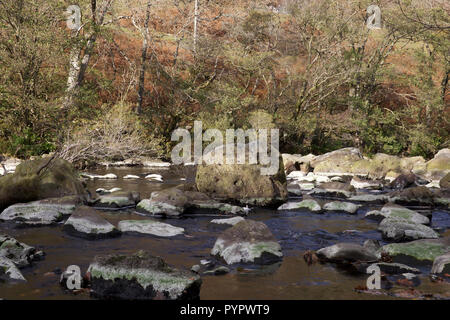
x=297 y=231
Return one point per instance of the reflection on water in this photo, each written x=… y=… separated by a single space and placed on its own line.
x=291 y=279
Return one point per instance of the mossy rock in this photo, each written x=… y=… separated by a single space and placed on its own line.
x=424 y=250
x=242 y=183
x=141 y=276
x=338 y=161
x=57 y=180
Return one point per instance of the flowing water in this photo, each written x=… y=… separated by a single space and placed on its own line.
x=296 y=231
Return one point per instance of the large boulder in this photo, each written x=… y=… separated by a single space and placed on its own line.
x=86 y=223
x=243 y=183
x=403 y=181
x=424 y=250
x=338 y=161
x=141 y=276
x=439 y=166
x=398 y=229
x=248 y=242
x=41 y=212
x=169 y=202
x=377 y=167
x=346 y=252
x=35 y=180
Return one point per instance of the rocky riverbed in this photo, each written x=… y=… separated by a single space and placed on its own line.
x=140 y=228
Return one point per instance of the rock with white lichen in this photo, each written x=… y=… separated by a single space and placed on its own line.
x=150 y=227
x=248 y=242
x=85 y=222
x=141 y=276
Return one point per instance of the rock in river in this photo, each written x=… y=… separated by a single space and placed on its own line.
x=341 y=206
x=243 y=183
x=248 y=242
x=169 y=202
x=41 y=212
x=118 y=200
x=346 y=253
x=334 y=189
x=229 y=221
x=150 y=227
x=21 y=254
x=86 y=223
x=399 y=229
x=35 y=180
x=9 y=271
x=141 y=276
x=424 y=250
x=396 y=211
x=309 y=204
x=441 y=264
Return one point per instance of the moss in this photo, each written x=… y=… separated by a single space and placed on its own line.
x=424 y=251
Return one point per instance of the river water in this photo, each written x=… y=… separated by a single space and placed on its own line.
x=296 y=231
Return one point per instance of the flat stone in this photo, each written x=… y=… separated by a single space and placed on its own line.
x=309 y=204
x=9 y=271
x=131 y=176
x=108 y=176
x=341 y=206
x=150 y=227
x=41 y=212
x=229 y=221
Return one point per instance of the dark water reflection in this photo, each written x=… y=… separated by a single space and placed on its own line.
x=292 y=279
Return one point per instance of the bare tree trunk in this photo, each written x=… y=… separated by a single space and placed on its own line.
x=195 y=25
x=78 y=68
x=143 y=59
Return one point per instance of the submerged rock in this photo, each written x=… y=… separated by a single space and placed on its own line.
x=141 y=276
x=242 y=183
x=41 y=212
x=150 y=227
x=345 y=253
x=399 y=229
x=388 y=268
x=86 y=223
x=441 y=264
x=58 y=179
x=248 y=242
x=424 y=250
x=396 y=211
x=309 y=204
x=341 y=207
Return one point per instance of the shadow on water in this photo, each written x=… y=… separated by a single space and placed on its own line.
x=291 y=279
